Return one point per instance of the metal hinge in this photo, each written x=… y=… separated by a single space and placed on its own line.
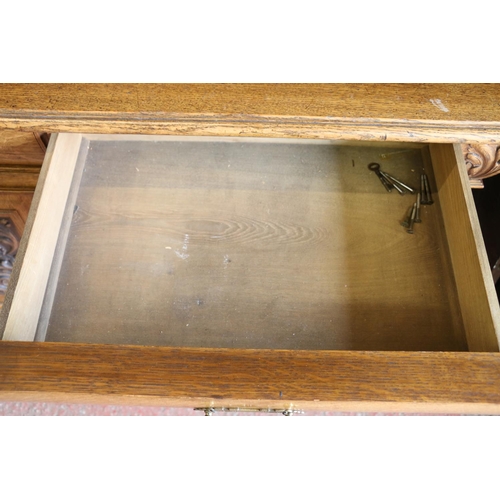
x=209 y=411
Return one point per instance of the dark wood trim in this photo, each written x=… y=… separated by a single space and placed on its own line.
x=374 y=112
x=40 y=141
x=347 y=380
x=18 y=177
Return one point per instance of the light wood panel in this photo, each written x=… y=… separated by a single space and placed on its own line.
x=43 y=234
x=31 y=212
x=335 y=380
x=400 y=112
x=476 y=291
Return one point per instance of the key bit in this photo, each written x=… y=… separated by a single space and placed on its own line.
x=412 y=219
x=375 y=167
x=417 y=214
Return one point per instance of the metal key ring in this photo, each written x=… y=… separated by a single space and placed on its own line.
x=374 y=166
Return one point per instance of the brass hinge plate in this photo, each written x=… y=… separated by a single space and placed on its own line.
x=209 y=411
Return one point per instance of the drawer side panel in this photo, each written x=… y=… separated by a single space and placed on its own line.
x=476 y=291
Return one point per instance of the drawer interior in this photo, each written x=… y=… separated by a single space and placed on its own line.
x=255 y=244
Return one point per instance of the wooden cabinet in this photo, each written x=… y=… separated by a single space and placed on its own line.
x=312 y=220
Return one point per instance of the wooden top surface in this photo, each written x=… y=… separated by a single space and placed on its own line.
x=418 y=112
x=463 y=102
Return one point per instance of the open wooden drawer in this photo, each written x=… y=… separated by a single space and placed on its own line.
x=264 y=273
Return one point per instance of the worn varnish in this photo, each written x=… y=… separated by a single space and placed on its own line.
x=335 y=380
x=401 y=112
x=250 y=244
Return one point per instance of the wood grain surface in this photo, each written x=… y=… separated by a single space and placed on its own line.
x=346 y=380
x=18 y=177
x=400 y=112
x=18 y=201
x=251 y=244
x=20 y=148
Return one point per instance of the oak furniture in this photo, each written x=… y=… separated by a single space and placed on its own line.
x=450 y=362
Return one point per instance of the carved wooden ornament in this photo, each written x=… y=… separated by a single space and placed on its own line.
x=482 y=161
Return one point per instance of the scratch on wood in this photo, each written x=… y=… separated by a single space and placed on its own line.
x=439 y=105
x=183 y=255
